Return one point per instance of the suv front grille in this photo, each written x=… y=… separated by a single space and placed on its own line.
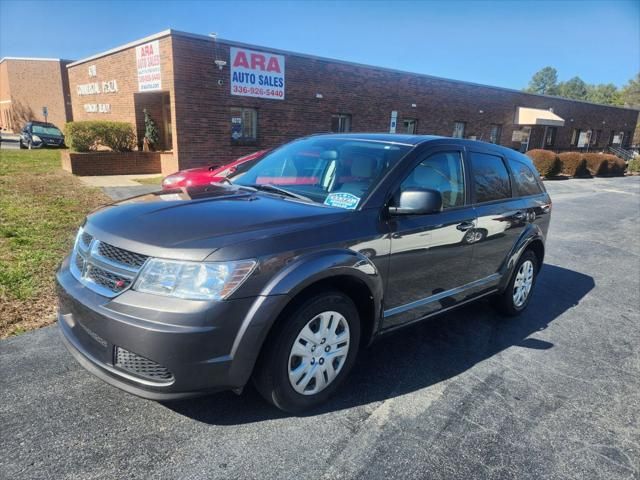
x=141 y=366
x=121 y=255
x=104 y=268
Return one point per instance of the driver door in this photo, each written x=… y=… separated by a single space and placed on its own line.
x=430 y=254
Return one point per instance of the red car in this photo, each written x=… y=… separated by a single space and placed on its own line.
x=207 y=175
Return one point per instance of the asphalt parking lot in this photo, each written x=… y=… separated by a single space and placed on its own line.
x=552 y=394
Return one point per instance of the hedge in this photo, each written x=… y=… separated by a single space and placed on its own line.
x=574 y=164
x=89 y=135
x=604 y=164
x=634 y=165
x=545 y=161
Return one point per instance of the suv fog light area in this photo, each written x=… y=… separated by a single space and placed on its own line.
x=193 y=280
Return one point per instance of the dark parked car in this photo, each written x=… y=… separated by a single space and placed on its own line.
x=41 y=134
x=200 y=289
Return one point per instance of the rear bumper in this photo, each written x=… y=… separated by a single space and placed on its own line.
x=200 y=347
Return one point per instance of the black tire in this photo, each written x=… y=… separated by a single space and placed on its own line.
x=271 y=375
x=22 y=145
x=504 y=302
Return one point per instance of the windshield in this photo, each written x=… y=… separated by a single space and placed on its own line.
x=41 y=130
x=337 y=172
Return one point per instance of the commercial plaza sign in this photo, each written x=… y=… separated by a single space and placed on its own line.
x=257 y=74
x=148 y=63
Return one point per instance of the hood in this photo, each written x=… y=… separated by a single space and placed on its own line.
x=193 y=222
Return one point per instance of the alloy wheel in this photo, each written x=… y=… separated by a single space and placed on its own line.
x=523 y=283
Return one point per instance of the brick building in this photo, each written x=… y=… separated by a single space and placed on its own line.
x=215 y=100
x=27 y=85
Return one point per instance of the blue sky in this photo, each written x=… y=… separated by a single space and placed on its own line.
x=496 y=43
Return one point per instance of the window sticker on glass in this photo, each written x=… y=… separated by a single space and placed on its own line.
x=342 y=200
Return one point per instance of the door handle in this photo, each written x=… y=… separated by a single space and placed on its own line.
x=464 y=226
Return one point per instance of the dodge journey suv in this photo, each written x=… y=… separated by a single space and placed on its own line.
x=284 y=271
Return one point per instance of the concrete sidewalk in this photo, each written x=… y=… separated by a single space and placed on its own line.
x=118 y=180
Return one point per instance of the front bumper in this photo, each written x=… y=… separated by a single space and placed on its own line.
x=200 y=347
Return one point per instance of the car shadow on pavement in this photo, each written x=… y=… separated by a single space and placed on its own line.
x=419 y=356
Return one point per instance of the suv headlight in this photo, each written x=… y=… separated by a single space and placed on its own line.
x=193 y=280
x=36 y=138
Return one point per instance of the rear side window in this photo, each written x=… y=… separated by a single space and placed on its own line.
x=490 y=176
x=441 y=171
x=525 y=179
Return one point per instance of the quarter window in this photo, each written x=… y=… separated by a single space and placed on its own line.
x=340 y=123
x=443 y=172
x=495 y=132
x=490 y=178
x=244 y=124
x=525 y=179
x=458 y=129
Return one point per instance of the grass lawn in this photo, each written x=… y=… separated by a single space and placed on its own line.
x=41 y=207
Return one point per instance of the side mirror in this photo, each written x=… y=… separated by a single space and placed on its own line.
x=418 y=201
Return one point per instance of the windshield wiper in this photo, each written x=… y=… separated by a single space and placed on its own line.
x=267 y=187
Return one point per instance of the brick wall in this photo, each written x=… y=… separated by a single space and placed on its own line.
x=200 y=102
x=28 y=85
x=369 y=95
x=121 y=66
x=112 y=163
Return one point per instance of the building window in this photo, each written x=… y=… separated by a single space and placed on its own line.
x=627 y=138
x=612 y=135
x=244 y=125
x=410 y=125
x=596 y=137
x=340 y=123
x=458 y=129
x=575 y=136
x=494 y=133
x=550 y=139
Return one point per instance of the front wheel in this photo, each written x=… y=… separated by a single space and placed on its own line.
x=515 y=297
x=310 y=353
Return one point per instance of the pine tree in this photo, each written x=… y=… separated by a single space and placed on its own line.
x=150 y=130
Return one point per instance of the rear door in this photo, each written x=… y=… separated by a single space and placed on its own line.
x=501 y=215
x=430 y=255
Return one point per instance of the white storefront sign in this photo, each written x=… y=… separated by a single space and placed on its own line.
x=148 y=63
x=257 y=74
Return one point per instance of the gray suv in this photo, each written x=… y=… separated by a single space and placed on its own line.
x=286 y=270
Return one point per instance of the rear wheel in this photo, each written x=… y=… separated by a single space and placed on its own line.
x=310 y=354
x=515 y=297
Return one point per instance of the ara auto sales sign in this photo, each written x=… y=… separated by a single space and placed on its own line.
x=148 y=63
x=257 y=74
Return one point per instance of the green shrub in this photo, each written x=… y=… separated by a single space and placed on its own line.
x=89 y=135
x=634 y=165
x=574 y=164
x=545 y=161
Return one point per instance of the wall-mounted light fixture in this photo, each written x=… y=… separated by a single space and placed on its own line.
x=480 y=111
x=220 y=63
x=319 y=96
x=413 y=105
